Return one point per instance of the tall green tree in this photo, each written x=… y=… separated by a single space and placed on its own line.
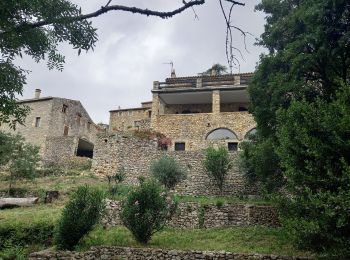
x=35 y=28
x=299 y=99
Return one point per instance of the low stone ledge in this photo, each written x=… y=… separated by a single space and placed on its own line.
x=195 y=215
x=106 y=253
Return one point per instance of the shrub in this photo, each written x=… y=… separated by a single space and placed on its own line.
x=81 y=213
x=167 y=171
x=217 y=164
x=146 y=210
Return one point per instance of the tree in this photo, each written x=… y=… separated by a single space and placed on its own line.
x=20 y=158
x=35 y=28
x=217 y=164
x=299 y=99
x=167 y=171
x=216 y=69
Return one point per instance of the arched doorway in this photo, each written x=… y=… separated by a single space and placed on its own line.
x=85 y=148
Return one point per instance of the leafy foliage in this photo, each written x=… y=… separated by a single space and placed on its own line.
x=314 y=142
x=299 y=99
x=146 y=210
x=80 y=214
x=217 y=164
x=19 y=157
x=168 y=171
x=18 y=38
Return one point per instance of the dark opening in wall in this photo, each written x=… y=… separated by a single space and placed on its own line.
x=242 y=109
x=64 y=109
x=37 y=121
x=232 y=146
x=66 y=130
x=85 y=149
x=180 y=146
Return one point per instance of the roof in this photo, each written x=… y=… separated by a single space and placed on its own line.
x=35 y=99
x=127 y=109
x=209 y=78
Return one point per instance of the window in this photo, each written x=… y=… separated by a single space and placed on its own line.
x=130 y=113
x=78 y=118
x=66 y=130
x=180 y=146
x=242 y=109
x=221 y=134
x=89 y=126
x=64 y=109
x=231 y=146
x=149 y=114
x=37 y=121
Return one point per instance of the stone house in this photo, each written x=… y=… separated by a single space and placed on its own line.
x=194 y=112
x=61 y=127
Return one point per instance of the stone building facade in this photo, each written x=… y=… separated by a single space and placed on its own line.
x=61 y=127
x=131 y=118
x=114 y=151
x=194 y=112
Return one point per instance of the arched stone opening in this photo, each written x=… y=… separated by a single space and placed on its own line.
x=85 y=149
x=221 y=134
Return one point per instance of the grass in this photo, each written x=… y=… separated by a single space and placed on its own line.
x=30 y=215
x=256 y=239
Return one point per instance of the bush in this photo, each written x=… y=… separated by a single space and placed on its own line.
x=217 y=164
x=146 y=210
x=167 y=171
x=81 y=213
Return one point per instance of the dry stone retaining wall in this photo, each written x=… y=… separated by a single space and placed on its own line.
x=136 y=155
x=194 y=215
x=152 y=253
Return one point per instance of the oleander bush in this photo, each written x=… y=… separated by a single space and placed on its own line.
x=168 y=171
x=147 y=209
x=83 y=210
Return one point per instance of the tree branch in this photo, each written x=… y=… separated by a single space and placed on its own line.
x=105 y=9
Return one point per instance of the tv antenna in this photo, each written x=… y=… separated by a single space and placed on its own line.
x=171 y=65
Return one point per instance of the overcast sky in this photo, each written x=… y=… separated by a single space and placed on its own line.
x=131 y=51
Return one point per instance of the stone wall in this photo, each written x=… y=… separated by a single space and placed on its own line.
x=136 y=155
x=193 y=128
x=106 y=252
x=195 y=215
x=59 y=149
x=121 y=120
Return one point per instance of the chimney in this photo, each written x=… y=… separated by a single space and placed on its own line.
x=37 y=93
x=173 y=74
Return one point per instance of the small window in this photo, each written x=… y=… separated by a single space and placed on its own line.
x=149 y=114
x=78 y=118
x=37 y=122
x=64 y=109
x=130 y=113
x=242 y=109
x=66 y=130
x=89 y=126
x=232 y=146
x=180 y=146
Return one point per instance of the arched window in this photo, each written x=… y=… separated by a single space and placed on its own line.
x=221 y=134
x=250 y=133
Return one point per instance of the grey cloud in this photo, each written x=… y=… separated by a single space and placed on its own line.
x=132 y=49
